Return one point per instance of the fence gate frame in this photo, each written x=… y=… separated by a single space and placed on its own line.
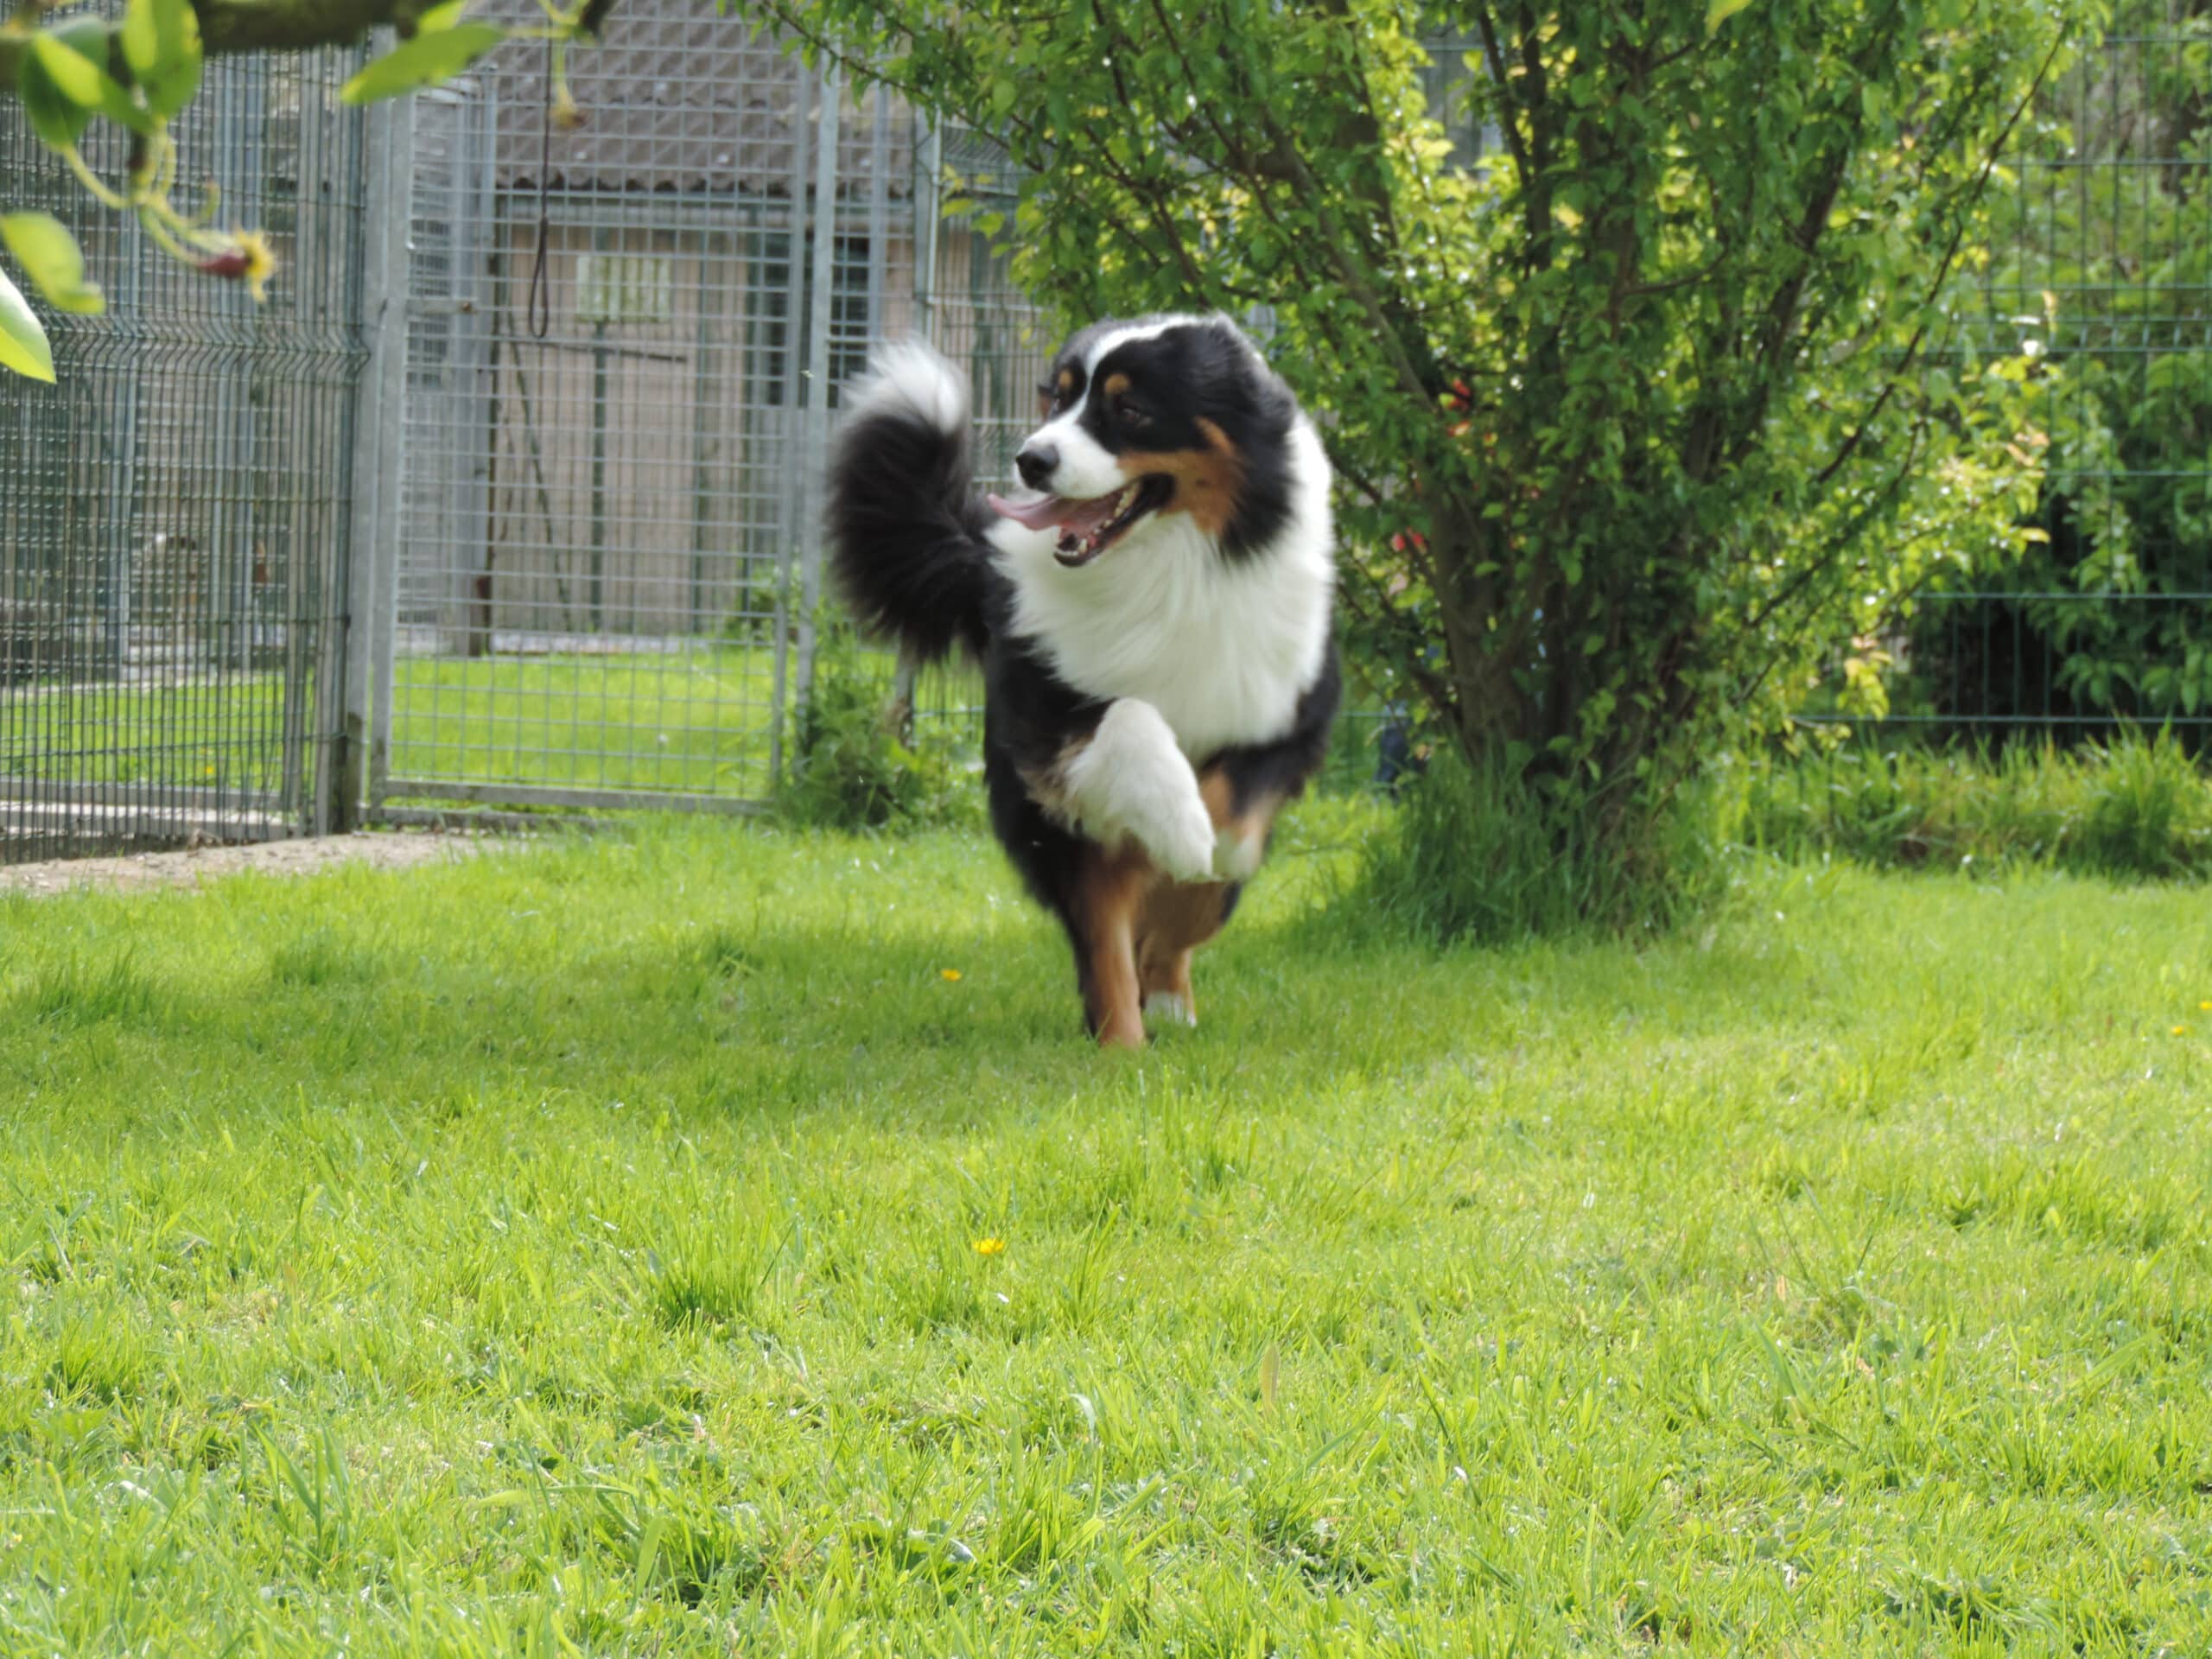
x=174 y=544
x=374 y=779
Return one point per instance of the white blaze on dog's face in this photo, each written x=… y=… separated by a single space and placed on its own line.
x=1174 y=415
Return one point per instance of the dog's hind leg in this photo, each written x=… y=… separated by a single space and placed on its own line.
x=1110 y=896
x=1177 y=919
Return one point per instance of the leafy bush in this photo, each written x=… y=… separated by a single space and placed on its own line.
x=1468 y=856
x=2137 y=808
x=2103 y=270
x=849 y=768
x=1633 y=416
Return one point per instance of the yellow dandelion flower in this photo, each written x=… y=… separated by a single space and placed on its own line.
x=950 y=975
x=2180 y=1031
x=2204 y=1007
x=990 y=1247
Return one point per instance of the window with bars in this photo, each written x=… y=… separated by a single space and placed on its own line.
x=769 y=315
x=850 y=324
x=767 y=320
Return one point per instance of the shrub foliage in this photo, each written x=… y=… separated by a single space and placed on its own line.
x=1635 y=416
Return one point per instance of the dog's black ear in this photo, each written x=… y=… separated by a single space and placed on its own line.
x=1228 y=372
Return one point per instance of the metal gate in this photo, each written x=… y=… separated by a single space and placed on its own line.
x=173 y=511
x=621 y=346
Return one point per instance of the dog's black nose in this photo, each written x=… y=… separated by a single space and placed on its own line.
x=1035 y=464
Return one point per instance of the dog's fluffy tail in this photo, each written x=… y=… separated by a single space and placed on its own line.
x=905 y=528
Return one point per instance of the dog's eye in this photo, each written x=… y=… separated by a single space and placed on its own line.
x=1131 y=412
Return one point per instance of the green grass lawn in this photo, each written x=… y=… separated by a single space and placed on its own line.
x=578 y=1251
x=695 y=723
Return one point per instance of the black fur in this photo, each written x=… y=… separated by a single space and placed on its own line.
x=906 y=529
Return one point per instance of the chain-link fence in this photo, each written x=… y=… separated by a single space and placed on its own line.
x=506 y=498
x=173 y=512
x=2101 y=274
x=623 y=345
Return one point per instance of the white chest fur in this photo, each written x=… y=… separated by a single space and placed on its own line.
x=1222 y=648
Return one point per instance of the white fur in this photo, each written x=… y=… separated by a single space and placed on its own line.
x=1222 y=650
x=1166 y=1005
x=1151 y=330
x=1131 y=779
x=1086 y=469
x=908 y=374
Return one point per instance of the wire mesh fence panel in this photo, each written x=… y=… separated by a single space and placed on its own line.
x=174 y=513
x=622 y=352
x=624 y=342
x=2100 y=274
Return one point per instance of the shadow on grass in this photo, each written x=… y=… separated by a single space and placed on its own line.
x=765 y=1011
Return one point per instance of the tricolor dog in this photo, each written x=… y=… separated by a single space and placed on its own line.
x=1153 y=618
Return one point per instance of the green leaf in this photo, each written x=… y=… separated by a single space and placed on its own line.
x=57 y=118
x=424 y=61
x=143 y=22
x=22 y=341
x=440 y=18
x=82 y=81
x=168 y=92
x=50 y=257
x=1721 y=11
x=74 y=75
x=161 y=42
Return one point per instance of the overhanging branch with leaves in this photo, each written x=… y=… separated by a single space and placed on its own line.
x=141 y=72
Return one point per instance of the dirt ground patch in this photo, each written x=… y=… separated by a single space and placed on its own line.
x=388 y=850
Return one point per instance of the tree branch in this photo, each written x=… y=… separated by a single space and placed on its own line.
x=228 y=27
x=296 y=25
x=1911 y=356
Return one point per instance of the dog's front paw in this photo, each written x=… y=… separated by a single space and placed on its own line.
x=1182 y=842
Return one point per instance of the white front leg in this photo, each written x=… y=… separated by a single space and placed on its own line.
x=1133 y=779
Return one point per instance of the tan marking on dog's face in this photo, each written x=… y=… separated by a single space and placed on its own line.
x=1116 y=384
x=1064 y=384
x=1207 y=482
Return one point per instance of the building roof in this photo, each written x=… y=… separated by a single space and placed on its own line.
x=678 y=97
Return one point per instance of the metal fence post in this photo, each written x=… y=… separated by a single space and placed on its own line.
x=362 y=752
x=821 y=284
x=789 y=502
x=928 y=215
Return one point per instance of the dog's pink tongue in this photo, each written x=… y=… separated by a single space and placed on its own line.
x=1048 y=511
x=1038 y=512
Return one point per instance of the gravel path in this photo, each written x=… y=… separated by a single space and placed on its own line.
x=190 y=868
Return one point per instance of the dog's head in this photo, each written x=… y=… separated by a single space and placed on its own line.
x=1146 y=419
